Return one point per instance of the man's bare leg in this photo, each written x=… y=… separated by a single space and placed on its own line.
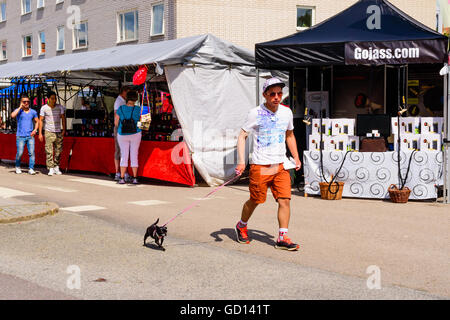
x=248 y=209
x=284 y=212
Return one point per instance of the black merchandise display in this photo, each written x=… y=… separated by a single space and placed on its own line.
x=161 y=127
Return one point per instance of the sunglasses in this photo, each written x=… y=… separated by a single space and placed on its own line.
x=26 y=101
x=273 y=94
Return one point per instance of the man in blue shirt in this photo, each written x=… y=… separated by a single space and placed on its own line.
x=27 y=126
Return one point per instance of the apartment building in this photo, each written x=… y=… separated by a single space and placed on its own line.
x=39 y=29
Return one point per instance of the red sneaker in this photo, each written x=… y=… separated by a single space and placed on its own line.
x=242 y=234
x=286 y=244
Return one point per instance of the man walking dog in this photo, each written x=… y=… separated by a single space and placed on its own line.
x=272 y=127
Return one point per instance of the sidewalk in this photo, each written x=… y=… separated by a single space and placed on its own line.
x=13 y=210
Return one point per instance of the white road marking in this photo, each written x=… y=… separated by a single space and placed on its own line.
x=76 y=214
x=55 y=188
x=82 y=208
x=148 y=202
x=9 y=193
x=209 y=198
x=104 y=183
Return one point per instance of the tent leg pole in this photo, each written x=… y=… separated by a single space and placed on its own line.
x=331 y=105
x=385 y=88
x=446 y=136
x=291 y=89
x=307 y=80
x=257 y=86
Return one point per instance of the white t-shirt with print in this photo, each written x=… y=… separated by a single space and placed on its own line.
x=269 y=133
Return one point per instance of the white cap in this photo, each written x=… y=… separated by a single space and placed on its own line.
x=271 y=82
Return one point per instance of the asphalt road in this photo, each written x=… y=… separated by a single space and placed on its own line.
x=100 y=227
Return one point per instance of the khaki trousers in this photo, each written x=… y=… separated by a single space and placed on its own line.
x=53 y=148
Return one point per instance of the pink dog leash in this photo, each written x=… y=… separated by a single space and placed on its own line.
x=195 y=203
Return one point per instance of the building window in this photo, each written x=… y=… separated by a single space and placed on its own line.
x=305 y=17
x=26 y=6
x=59 y=1
x=60 y=38
x=3 y=55
x=157 y=19
x=40 y=4
x=27 y=46
x=41 y=42
x=127 y=26
x=80 y=36
x=2 y=11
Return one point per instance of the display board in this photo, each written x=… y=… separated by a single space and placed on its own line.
x=369 y=174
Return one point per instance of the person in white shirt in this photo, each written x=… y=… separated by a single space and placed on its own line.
x=120 y=101
x=272 y=127
x=52 y=118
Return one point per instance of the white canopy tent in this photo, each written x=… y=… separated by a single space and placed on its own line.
x=212 y=82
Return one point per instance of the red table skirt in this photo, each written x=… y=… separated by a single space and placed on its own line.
x=97 y=155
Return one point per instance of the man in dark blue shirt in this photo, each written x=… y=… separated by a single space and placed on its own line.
x=27 y=126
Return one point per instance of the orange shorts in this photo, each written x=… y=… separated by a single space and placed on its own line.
x=273 y=176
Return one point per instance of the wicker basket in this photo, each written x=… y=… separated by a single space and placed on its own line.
x=335 y=194
x=397 y=195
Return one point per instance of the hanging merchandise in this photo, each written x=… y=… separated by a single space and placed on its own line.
x=146 y=118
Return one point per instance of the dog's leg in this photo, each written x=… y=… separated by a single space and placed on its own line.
x=144 y=239
x=159 y=242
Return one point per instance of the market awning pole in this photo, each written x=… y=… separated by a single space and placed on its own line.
x=446 y=140
x=331 y=106
x=257 y=86
x=385 y=88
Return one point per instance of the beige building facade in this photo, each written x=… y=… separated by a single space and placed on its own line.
x=36 y=29
x=246 y=22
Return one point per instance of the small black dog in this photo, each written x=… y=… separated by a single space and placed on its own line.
x=157 y=233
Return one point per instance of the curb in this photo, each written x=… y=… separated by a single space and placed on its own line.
x=26 y=212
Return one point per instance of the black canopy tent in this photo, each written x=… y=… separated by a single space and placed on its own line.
x=369 y=34
x=367 y=25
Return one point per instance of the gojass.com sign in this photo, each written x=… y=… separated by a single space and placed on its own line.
x=398 y=52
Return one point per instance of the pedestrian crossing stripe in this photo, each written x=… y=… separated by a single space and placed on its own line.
x=211 y=198
x=56 y=188
x=82 y=208
x=104 y=183
x=10 y=193
x=148 y=202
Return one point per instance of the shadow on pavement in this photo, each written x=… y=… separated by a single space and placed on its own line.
x=254 y=235
x=153 y=246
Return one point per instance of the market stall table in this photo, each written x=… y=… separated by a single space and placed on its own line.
x=369 y=174
x=156 y=158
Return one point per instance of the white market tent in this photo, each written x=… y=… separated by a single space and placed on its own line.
x=212 y=82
